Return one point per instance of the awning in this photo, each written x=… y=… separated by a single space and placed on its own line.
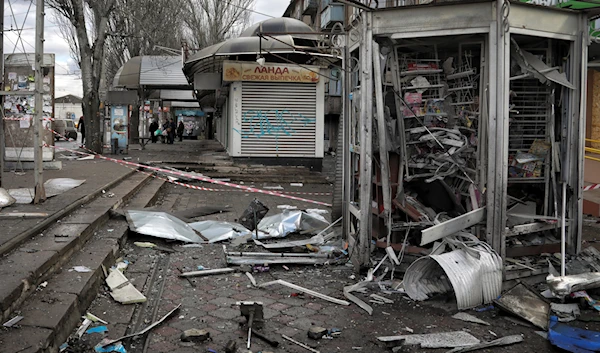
x=152 y=72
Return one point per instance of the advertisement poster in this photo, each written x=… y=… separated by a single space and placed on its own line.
x=118 y=123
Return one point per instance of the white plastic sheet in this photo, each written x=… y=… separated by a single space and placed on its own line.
x=5 y=198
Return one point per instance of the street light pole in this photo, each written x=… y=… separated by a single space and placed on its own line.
x=38 y=138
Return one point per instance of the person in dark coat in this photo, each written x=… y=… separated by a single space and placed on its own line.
x=153 y=128
x=172 y=128
x=81 y=127
x=180 y=129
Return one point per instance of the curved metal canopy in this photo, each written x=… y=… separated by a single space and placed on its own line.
x=280 y=25
x=153 y=71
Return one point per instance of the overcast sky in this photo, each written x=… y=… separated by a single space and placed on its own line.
x=15 y=14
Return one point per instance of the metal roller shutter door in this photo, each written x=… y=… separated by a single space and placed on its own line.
x=278 y=119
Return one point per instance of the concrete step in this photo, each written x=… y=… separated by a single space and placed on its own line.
x=53 y=312
x=33 y=262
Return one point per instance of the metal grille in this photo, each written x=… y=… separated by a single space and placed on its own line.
x=279 y=119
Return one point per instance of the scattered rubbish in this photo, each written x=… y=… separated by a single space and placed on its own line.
x=201 y=268
x=307 y=291
x=161 y=225
x=275 y=187
x=272 y=342
x=251 y=258
x=6 y=199
x=24 y=215
x=542 y=334
x=42 y=286
x=122 y=265
x=216 y=271
x=473 y=271
x=191 y=246
x=504 y=341
x=107 y=342
x=469 y=318
x=287 y=207
x=231 y=347
x=525 y=303
x=299 y=344
x=13 y=321
x=252 y=216
x=591 y=302
x=286 y=268
x=297 y=184
x=195 y=335
x=122 y=290
x=189 y=214
x=565 y=312
x=408 y=329
x=565 y=285
x=215 y=231
x=97 y=329
x=83 y=327
x=382 y=299
x=237 y=241
x=572 y=339
x=110 y=347
x=435 y=340
x=94 y=318
x=492 y=333
x=316 y=332
x=86 y=158
x=260 y=268
x=290 y=221
x=251 y=278
x=356 y=287
x=142 y=244
x=484 y=308
x=82 y=269
x=252 y=311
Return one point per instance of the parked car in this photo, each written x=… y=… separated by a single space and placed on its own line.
x=65 y=127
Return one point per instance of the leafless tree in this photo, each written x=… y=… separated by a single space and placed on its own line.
x=89 y=19
x=212 y=21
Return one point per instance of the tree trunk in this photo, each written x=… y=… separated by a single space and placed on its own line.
x=93 y=122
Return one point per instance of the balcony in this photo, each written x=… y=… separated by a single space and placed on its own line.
x=310 y=7
x=332 y=14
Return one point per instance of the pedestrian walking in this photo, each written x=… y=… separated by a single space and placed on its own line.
x=165 y=132
x=171 y=131
x=180 y=129
x=153 y=128
x=81 y=128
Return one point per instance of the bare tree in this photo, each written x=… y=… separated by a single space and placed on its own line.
x=89 y=19
x=212 y=21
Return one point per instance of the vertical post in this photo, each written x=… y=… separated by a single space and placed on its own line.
x=2 y=137
x=40 y=193
x=366 y=124
x=382 y=135
x=345 y=121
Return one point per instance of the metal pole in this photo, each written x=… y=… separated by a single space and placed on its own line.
x=563 y=228
x=40 y=193
x=2 y=137
x=382 y=134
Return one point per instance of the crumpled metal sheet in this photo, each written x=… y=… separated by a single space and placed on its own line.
x=22 y=195
x=161 y=225
x=474 y=272
x=530 y=63
x=52 y=187
x=5 y=198
x=290 y=221
x=58 y=186
x=216 y=231
x=525 y=303
x=564 y=285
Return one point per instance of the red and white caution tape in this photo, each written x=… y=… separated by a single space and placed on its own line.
x=30 y=118
x=591 y=187
x=197 y=177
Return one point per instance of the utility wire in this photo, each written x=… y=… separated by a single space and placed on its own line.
x=247 y=9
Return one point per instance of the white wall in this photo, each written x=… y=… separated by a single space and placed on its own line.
x=61 y=110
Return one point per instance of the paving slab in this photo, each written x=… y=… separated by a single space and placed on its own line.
x=25 y=340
